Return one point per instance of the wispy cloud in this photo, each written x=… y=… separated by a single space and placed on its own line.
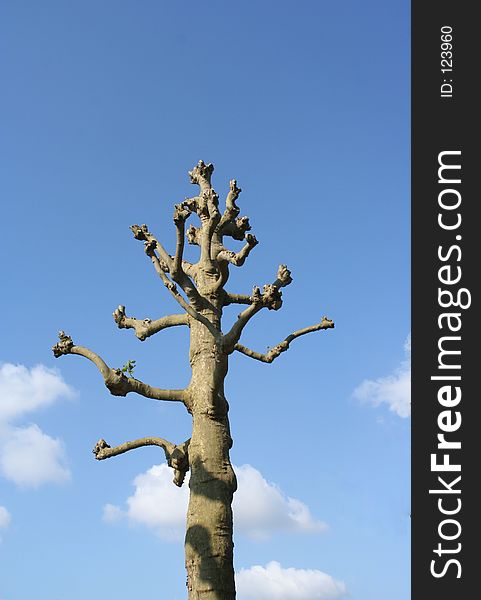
x=393 y=390
x=5 y=519
x=260 y=508
x=273 y=582
x=28 y=456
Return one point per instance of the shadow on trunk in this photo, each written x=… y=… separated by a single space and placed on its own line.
x=208 y=540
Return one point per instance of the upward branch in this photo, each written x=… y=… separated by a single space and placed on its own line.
x=277 y=350
x=206 y=205
x=231 y=209
x=201 y=175
x=211 y=200
x=215 y=257
x=180 y=215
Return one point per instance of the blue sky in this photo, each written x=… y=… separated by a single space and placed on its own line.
x=105 y=107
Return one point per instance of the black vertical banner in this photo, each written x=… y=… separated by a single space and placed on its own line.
x=446 y=332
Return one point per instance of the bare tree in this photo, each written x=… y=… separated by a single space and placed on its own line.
x=200 y=291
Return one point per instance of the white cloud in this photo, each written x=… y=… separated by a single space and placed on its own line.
x=24 y=390
x=28 y=456
x=260 y=508
x=394 y=390
x=5 y=517
x=273 y=582
x=156 y=503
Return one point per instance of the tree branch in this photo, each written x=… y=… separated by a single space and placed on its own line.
x=176 y=456
x=232 y=337
x=238 y=259
x=237 y=228
x=146 y=327
x=201 y=175
x=236 y=299
x=116 y=382
x=180 y=216
x=149 y=249
x=143 y=234
x=270 y=298
x=231 y=210
x=193 y=235
x=189 y=269
x=165 y=264
x=206 y=205
x=284 y=345
x=209 y=224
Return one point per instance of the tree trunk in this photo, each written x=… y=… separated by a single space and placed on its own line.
x=208 y=541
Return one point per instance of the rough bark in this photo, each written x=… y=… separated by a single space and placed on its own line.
x=209 y=535
x=208 y=540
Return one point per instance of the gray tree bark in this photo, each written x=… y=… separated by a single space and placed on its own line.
x=202 y=295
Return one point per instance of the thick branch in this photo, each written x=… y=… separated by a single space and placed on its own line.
x=284 y=345
x=146 y=327
x=189 y=269
x=176 y=456
x=116 y=382
x=237 y=299
x=270 y=298
x=209 y=224
x=214 y=227
x=231 y=210
x=206 y=205
x=201 y=175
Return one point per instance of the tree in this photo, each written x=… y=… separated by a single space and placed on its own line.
x=208 y=540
